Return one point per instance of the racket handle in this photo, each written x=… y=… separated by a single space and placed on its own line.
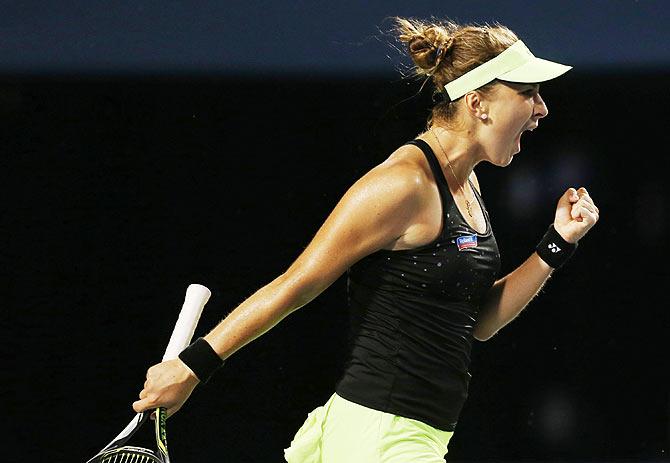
x=194 y=301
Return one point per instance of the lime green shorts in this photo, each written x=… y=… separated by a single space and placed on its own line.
x=343 y=431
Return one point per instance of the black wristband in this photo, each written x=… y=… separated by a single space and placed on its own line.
x=201 y=359
x=553 y=249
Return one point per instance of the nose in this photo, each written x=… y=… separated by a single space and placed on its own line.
x=541 y=109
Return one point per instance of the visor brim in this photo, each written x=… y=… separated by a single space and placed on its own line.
x=535 y=70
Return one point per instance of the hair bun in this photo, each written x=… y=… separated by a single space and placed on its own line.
x=428 y=54
x=422 y=52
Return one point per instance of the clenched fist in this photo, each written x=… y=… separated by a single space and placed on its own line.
x=576 y=213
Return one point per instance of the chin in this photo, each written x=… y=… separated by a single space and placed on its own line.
x=503 y=162
x=502 y=159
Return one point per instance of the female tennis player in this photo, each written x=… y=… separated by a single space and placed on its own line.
x=416 y=240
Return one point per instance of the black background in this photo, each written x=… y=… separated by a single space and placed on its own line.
x=119 y=192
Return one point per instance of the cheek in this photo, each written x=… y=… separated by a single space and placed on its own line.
x=510 y=127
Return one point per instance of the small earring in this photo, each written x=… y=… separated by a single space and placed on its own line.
x=485 y=116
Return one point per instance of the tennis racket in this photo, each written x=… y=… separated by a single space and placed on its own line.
x=116 y=452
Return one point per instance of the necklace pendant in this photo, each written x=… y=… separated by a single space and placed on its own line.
x=467 y=206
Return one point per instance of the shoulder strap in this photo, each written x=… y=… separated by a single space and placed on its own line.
x=432 y=160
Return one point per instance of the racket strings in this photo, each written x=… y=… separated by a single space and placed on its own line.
x=130 y=454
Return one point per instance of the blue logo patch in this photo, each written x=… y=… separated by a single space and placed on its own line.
x=467 y=241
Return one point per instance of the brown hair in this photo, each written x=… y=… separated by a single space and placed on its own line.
x=443 y=51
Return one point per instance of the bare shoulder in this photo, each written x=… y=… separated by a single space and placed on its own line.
x=402 y=172
x=371 y=215
x=409 y=162
x=384 y=203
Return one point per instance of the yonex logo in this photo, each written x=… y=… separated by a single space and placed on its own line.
x=554 y=248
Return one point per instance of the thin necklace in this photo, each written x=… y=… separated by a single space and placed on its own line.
x=467 y=202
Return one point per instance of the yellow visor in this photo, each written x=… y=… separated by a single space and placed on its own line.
x=515 y=64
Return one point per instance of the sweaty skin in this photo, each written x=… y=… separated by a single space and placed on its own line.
x=387 y=206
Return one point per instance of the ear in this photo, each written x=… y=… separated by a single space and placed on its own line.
x=475 y=104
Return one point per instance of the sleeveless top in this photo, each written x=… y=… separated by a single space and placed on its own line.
x=412 y=315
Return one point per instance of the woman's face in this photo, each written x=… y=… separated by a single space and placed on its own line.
x=514 y=109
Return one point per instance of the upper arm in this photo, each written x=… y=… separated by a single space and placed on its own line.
x=373 y=213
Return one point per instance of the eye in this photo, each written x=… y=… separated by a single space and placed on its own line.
x=533 y=90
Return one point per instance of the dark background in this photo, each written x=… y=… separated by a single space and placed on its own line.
x=120 y=188
x=310 y=36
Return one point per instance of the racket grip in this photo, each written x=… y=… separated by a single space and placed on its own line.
x=194 y=301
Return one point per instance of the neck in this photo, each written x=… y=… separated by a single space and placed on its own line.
x=455 y=149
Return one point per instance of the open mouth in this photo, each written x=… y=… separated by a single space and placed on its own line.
x=527 y=129
x=518 y=137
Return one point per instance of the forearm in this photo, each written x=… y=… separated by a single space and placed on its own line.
x=509 y=295
x=256 y=315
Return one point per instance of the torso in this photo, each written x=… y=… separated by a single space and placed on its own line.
x=428 y=219
x=414 y=305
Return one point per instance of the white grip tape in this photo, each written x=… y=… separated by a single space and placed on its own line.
x=194 y=301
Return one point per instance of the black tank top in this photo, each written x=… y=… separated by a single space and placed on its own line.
x=412 y=316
